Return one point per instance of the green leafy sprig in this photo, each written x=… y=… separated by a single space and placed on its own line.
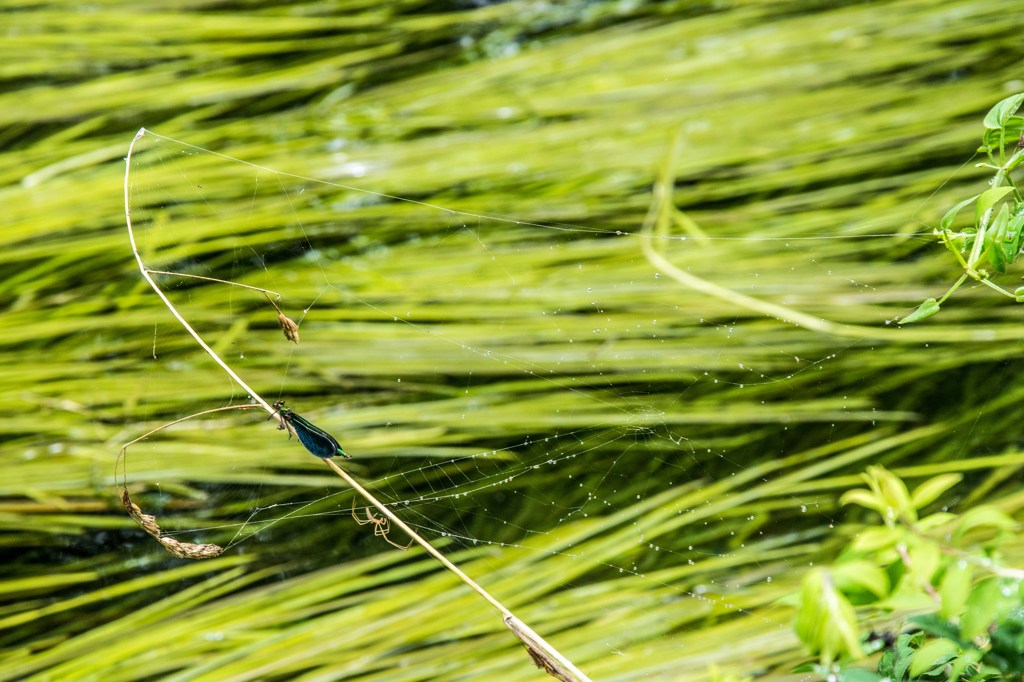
x=996 y=236
x=945 y=568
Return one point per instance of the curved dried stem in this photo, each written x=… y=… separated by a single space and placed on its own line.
x=543 y=654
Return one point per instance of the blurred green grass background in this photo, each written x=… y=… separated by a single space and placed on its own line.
x=796 y=121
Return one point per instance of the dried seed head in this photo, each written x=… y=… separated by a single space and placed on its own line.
x=288 y=326
x=182 y=550
x=187 y=550
x=146 y=521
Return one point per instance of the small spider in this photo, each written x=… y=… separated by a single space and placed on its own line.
x=381 y=526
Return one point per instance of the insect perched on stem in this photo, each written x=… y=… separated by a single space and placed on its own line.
x=381 y=526
x=315 y=439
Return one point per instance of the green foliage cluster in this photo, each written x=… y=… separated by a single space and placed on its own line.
x=945 y=568
x=996 y=235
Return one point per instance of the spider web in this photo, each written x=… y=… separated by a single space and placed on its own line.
x=512 y=383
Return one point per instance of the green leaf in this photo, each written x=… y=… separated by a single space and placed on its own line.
x=981 y=517
x=1000 y=254
x=954 y=588
x=990 y=198
x=864 y=498
x=996 y=259
x=1015 y=235
x=950 y=215
x=936 y=520
x=925 y=310
x=907 y=596
x=929 y=491
x=996 y=138
x=932 y=655
x=893 y=492
x=895 y=661
x=826 y=622
x=999 y=115
x=871 y=540
x=924 y=561
x=990 y=601
x=958 y=667
x=862 y=575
